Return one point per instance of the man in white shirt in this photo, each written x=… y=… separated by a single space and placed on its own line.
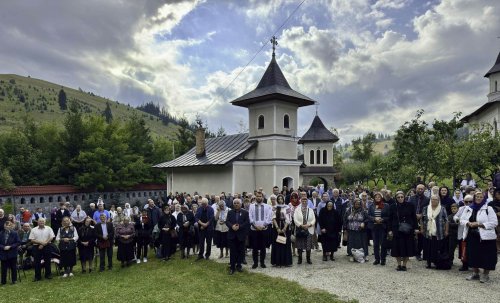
x=467 y=182
x=41 y=236
x=261 y=215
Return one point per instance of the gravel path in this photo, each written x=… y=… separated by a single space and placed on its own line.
x=369 y=283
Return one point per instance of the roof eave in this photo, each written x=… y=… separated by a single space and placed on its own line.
x=250 y=101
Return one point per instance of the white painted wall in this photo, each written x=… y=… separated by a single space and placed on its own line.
x=204 y=179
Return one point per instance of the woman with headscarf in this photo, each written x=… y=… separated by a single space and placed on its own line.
x=355 y=223
x=281 y=253
x=125 y=233
x=167 y=225
x=435 y=230
x=221 y=229
x=479 y=221
x=330 y=226
x=378 y=215
x=304 y=220
x=118 y=218
x=185 y=222
x=444 y=199
x=143 y=229
x=402 y=228
x=462 y=245
x=67 y=237
x=495 y=204
x=86 y=244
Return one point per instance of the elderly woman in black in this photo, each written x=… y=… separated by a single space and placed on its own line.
x=355 y=222
x=402 y=229
x=86 y=244
x=435 y=230
x=125 y=233
x=185 y=221
x=330 y=227
x=67 y=237
x=167 y=225
x=479 y=221
x=143 y=229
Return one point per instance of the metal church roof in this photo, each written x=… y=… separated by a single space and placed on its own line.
x=219 y=151
x=273 y=85
x=318 y=133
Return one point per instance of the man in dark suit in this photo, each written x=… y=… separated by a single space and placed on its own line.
x=238 y=222
x=105 y=235
x=205 y=218
x=9 y=241
x=60 y=214
x=419 y=201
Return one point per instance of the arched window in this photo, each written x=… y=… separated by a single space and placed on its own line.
x=286 y=121
x=325 y=156
x=105 y=196
x=139 y=194
x=32 y=200
x=311 y=157
x=75 y=198
x=496 y=86
x=83 y=197
x=59 y=199
x=318 y=156
x=128 y=195
x=51 y=199
x=42 y=199
x=67 y=199
x=133 y=195
x=150 y=194
x=23 y=200
x=261 y=122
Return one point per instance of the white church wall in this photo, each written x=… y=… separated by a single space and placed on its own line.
x=212 y=179
x=489 y=116
x=273 y=112
x=274 y=147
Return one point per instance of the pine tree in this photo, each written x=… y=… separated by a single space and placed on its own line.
x=62 y=100
x=107 y=114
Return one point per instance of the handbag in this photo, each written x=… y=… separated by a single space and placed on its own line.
x=173 y=233
x=281 y=239
x=299 y=231
x=403 y=227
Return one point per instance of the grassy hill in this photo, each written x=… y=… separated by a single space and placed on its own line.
x=38 y=99
x=379 y=147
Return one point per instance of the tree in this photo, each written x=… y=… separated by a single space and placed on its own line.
x=415 y=149
x=6 y=182
x=107 y=114
x=221 y=132
x=185 y=136
x=363 y=147
x=62 y=100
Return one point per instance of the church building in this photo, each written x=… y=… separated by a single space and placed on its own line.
x=265 y=156
x=489 y=112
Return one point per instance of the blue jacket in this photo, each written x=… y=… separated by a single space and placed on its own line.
x=385 y=214
x=12 y=241
x=210 y=216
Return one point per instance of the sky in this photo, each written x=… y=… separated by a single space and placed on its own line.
x=370 y=64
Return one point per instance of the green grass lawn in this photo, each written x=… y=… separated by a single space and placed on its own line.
x=173 y=281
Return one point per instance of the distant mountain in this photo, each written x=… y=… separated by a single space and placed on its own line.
x=21 y=96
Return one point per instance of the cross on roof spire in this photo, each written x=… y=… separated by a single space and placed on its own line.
x=274 y=42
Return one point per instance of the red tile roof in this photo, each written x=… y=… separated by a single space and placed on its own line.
x=67 y=189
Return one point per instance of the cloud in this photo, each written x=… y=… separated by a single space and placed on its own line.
x=370 y=64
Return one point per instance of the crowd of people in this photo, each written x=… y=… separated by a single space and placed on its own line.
x=428 y=223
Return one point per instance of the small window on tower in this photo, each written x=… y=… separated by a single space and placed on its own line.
x=261 y=122
x=496 y=86
x=311 y=157
x=286 y=121
x=325 y=156
x=318 y=156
